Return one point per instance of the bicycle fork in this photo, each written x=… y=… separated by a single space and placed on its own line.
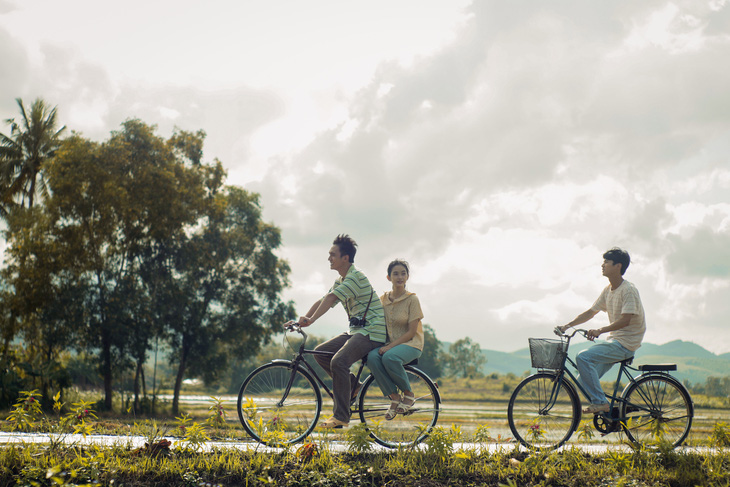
x=553 y=395
x=293 y=366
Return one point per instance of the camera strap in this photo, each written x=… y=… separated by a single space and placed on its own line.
x=368 y=306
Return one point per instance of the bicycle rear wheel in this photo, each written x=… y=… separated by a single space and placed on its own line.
x=269 y=413
x=543 y=414
x=406 y=429
x=657 y=407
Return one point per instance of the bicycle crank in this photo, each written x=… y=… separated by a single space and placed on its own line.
x=607 y=425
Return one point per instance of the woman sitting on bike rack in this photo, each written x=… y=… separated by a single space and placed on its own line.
x=621 y=301
x=403 y=317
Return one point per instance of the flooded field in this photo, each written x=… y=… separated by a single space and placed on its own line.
x=469 y=415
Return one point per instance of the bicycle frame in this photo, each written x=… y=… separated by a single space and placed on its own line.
x=615 y=397
x=300 y=359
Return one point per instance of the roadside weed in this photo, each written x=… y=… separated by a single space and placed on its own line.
x=27 y=412
x=195 y=437
x=481 y=434
x=720 y=436
x=216 y=414
x=536 y=431
x=182 y=423
x=358 y=439
x=585 y=431
x=441 y=442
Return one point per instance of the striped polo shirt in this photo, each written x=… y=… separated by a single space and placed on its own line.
x=354 y=292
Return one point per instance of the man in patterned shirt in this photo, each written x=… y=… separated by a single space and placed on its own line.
x=367 y=327
x=621 y=301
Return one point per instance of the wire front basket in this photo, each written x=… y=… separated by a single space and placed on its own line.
x=547 y=353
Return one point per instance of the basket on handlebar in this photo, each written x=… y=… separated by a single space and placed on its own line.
x=547 y=353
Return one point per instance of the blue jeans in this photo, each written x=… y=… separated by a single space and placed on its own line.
x=388 y=368
x=594 y=362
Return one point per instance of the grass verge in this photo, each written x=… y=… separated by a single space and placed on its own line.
x=315 y=464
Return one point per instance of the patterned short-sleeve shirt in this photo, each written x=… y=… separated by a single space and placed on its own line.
x=354 y=292
x=399 y=313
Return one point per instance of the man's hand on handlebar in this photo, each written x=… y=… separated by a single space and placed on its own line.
x=289 y=325
x=562 y=331
x=304 y=321
x=593 y=334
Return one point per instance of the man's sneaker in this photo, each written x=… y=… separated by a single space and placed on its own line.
x=597 y=408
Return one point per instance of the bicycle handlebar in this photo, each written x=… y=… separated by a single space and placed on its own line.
x=561 y=333
x=293 y=326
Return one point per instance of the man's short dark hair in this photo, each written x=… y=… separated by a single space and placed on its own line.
x=618 y=256
x=347 y=246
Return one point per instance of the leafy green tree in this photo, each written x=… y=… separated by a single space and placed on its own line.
x=465 y=359
x=717 y=386
x=431 y=361
x=217 y=284
x=39 y=309
x=24 y=153
x=137 y=240
x=109 y=202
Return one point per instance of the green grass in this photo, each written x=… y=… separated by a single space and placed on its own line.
x=317 y=465
x=479 y=422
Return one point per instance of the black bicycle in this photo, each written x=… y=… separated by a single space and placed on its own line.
x=280 y=402
x=545 y=409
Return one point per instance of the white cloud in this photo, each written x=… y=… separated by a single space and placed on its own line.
x=667 y=28
x=499 y=148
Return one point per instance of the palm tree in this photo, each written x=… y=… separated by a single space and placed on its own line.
x=24 y=152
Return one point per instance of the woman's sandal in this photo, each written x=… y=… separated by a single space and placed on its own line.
x=393 y=411
x=406 y=404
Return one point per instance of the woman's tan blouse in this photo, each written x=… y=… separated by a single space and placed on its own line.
x=399 y=313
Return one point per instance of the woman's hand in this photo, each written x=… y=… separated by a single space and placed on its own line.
x=384 y=349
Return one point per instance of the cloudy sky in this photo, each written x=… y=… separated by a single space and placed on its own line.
x=499 y=146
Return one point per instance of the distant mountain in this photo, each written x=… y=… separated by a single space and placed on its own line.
x=694 y=363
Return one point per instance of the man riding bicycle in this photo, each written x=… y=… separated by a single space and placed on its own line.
x=367 y=327
x=620 y=299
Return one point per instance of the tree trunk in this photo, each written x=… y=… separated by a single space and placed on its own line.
x=144 y=381
x=32 y=192
x=136 y=387
x=178 y=383
x=45 y=380
x=106 y=365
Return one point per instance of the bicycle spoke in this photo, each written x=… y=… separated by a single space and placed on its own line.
x=269 y=413
x=541 y=415
x=657 y=407
x=405 y=429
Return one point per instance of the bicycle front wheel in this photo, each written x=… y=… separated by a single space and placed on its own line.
x=278 y=404
x=406 y=429
x=543 y=413
x=657 y=407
